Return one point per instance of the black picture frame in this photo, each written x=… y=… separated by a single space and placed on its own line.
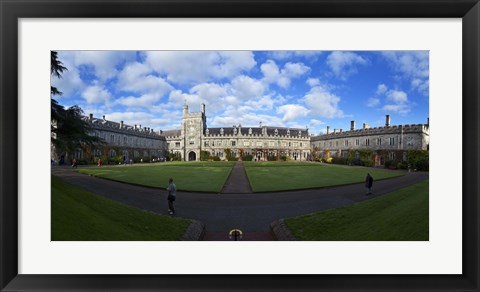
x=11 y=11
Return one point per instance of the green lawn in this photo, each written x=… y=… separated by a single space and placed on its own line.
x=188 y=176
x=78 y=215
x=277 y=176
x=401 y=215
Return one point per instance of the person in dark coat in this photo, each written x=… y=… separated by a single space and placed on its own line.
x=172 y=195
x=369 y=183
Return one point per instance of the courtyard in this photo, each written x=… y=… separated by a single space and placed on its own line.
x=279 y=190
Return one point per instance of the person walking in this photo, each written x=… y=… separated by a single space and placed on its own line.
x=172 y=195
x=368 y=184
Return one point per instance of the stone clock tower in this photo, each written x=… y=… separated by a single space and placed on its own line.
x=192 y=133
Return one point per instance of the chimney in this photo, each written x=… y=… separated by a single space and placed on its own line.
x=135 y=126
x=340 y=130
x=387 y=121
x=352 y=125
x=140 y=127
x=334 y=131
x=203 y=108
x=365 y=126
x=328 y=130
x=91 y=117
x=104 y=117
x=121 y=124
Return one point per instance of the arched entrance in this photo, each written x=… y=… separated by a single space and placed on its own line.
x=192 y=156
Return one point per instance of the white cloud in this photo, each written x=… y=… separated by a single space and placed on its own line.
x=246 y=120
x=323 y=103
x=96 y=94
x=413 y=66
x=292 y=111
x=137 y=77
x=209 y=91
x=265 y=103
x=104 y=62
x=421 y=86
x=373 y=102
x=397 y=96
x=401 y=109
x=313 y=82
x=273 y=74
x=314 y=123
x=381 y=89
x=344 y=64
x=146 y=100
x=177 y=98
x=145 y=119
x=199 y=66
x=246 y=87
x=70 y=83
x=283 y=55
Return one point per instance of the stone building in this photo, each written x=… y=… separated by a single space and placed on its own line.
x=260 y=142
x=386 y=143
x=123 y=141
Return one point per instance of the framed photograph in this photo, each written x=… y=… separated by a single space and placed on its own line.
x=286 y=65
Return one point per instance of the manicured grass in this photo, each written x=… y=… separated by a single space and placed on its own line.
x=277 y=176
x=188 y=176
x=78 y=215
x=398 y=216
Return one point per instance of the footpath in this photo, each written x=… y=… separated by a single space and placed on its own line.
x=253 y=213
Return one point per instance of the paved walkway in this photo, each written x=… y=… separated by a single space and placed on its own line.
x=252 y=213
x=237 y=182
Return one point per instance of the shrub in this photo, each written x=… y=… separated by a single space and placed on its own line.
x=390 y=164
x=272 y=158
x=357 y=162
x=402 y=165
x=339 y=160
x=204 y=155
x=215 y=158
x=247 y=157
x=418 y=159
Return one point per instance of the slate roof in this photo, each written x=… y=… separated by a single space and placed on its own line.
x=258 y=131
x=102 y=124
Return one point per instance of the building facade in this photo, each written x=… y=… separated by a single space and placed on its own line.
x=123 y=142
x=260 y=143
x=386 y=143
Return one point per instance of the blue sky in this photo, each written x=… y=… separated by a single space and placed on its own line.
x=313 y=89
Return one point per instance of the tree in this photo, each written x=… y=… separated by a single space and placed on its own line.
x=69 y=131
x=56 y=69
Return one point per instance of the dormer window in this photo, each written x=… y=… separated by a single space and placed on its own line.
x=250 y=131
x=207 y=131
x=299 y=133
x=276 y=132
x=288 y=132
x=234 y=131
x=221 y=131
